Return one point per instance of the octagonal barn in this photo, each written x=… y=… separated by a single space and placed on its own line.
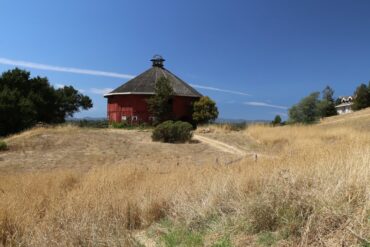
x=129 y=101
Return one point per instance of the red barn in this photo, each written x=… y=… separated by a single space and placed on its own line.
x=129 y=101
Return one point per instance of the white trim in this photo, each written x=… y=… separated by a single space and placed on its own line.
x=145 y=93
x=344 y=104
x=126 y=93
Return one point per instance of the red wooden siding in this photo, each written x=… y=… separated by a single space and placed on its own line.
x=135 y=108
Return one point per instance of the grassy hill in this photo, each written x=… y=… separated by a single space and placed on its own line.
x=83 y=148
x=358 y=120
x=308 y=186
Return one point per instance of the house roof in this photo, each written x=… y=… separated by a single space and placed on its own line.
x=344 y=104
x=145 y=82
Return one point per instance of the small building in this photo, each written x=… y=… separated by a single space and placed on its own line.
x=345 y=106
x=128 y=102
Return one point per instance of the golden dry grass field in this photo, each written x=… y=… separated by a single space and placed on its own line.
x=310 y=186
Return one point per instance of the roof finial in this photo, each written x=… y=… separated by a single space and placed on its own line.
x=157 y=61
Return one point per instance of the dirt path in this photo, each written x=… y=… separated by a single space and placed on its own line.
x=220 y=145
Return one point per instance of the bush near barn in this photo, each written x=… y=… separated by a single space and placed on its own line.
x=205 y=110
x=173 y=132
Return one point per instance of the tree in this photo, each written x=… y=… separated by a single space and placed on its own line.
x=338 y=101
x=327 y=104
x=25 y=101
x=362 y=97
x=160 y=105
x=277 y=120
x=70 y=101
x=205 y=110
x=306 y=111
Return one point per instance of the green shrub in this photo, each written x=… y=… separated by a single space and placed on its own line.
x=3 y=146
x=182 y=237
x=205 y=110
x=120 y=125
x=173 y=132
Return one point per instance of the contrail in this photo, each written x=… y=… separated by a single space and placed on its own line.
x=263 y=104
x=219 y=90
x=63 y=69
x=48 y=67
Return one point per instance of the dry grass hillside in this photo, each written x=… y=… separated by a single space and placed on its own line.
x=82 y=148
x=81 y=187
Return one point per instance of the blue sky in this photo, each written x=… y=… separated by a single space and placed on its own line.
x=274 y=51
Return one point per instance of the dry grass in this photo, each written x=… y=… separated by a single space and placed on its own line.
x=313 y=191
x=81 y=148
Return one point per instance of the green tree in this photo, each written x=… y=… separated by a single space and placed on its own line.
x=306 y=111
x=25 y=101
x=69 y=101
x=205 y=110
x=327 y=104
x=277 y=120
x=160 y=105
x=362 y=97
x=338 y=101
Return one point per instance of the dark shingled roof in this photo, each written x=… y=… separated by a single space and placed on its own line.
x=145 y=82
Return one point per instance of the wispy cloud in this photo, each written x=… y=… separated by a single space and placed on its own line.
x=100 y=91
x=62 y=69
x=48 y=67
x=220 y=90
x=263 y=104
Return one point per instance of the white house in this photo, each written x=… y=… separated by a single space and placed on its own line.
x=345 y=106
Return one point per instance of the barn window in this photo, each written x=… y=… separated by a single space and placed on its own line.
x=151 y=118
x=124 y=118
x=134 y=118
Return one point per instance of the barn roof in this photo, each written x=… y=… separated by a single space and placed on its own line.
x=145 y=82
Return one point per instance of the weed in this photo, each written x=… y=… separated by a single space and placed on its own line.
x=182 y=237
x=223 y=242
x=266 y=239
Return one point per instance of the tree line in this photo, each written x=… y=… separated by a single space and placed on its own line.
x=26 y=100
x=311 y=108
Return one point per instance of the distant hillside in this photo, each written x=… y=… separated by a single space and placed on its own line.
x=86 y=118
x=239 y=121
